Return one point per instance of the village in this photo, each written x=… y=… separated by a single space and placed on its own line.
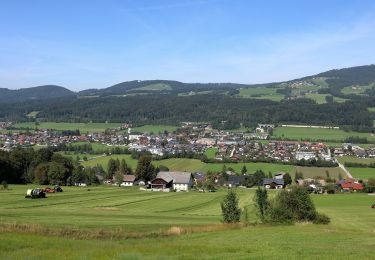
x=191 y=138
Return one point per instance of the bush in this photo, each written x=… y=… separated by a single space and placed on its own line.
x=321 y=219
x=279 y=214
x=4 y=185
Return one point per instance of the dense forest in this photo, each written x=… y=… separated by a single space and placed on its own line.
x=221 y=110
x=171 y=102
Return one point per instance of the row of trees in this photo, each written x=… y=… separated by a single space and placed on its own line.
x=288 y=206
x=44 y=167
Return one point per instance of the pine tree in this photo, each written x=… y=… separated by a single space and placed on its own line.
x=229 y=207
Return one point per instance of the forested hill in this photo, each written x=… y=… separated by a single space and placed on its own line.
x=159 y=86
x=40 y=92
x=343 y=97
x=361 y=75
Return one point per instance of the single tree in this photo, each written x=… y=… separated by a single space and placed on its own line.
x=244 y=170
x=229 y=208
x=119 y=177
x=287 y=179
x=145 y=170
x=261 y=203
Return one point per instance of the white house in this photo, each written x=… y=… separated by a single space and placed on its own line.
x=128 y=181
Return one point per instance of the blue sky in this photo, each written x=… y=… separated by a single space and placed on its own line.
x=95 y=44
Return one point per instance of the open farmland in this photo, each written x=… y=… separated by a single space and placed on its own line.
x=80 y=223
x=154 y=128
x=306 y=133
x=354 y=159
x=82 y=127
x=194 y=165
x=261 y=93
x=362 y=173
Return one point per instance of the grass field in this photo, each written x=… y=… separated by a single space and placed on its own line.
x=154 y=128
x=211 y=152
x=193 y=165
x=70 y=221
x=301 y=133
x=362 y=173
x=357 y=90
x=353 y=159
x=155 y=87
x=321 y=98
x=82 y=127
x=261 y=93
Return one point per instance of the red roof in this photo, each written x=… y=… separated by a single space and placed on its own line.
x=354 y=186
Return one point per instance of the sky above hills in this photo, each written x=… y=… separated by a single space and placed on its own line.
x=98 y=43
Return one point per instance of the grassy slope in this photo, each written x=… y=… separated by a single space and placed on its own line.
x=263 y=92
x=362 y=173
x=193 y=165
x=154 y=128
x=353 y=159
x=113 y=208
x=299 y=133
x=211 y=152
x=89 y=127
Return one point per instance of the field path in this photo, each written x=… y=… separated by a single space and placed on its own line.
x=345 y=170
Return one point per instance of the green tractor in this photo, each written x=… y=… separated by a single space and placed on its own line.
x=35 y=194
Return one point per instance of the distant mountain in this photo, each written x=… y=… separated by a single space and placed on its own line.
x=34 y=93
x=361 y=75
x=330 y=82
x=158 y=86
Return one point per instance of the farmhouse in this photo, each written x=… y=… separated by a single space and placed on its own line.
x=273 y=183
x=128 y=180
x=179 y=181
x=350 y=185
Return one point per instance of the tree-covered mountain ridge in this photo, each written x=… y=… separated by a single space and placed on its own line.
x=343 y=83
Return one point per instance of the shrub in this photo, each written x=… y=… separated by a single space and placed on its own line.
x=321 y=219
x=229 y=207
x=4 y=185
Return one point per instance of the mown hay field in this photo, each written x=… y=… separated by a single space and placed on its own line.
x=112 y=222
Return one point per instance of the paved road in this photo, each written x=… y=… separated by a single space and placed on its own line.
x=345 y=170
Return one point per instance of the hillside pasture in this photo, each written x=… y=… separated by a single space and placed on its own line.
x=261 y=93
x=354 y=159
x=356 y=90
x=316 y=134
x=194 y=165
x=82 y=127
x=91 y=224
x=154 y=128
x=362 y=173
x=321 y=98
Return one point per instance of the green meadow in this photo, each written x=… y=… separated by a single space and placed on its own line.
x=82 y=127
x=111 y=222
x=362 y=173
x=261 y=93
x=304 y=133
x=193 y=165
x=321 y=98
x=211 y=152
x=354 y=159
x=154 y=128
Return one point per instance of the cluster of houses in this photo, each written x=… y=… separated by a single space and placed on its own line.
x=194 y=138
x=355 y=150
x=185 y=181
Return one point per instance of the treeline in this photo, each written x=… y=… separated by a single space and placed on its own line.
x=223 y=111
x=44 y=167
x=87 y=148
x=359 y=165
